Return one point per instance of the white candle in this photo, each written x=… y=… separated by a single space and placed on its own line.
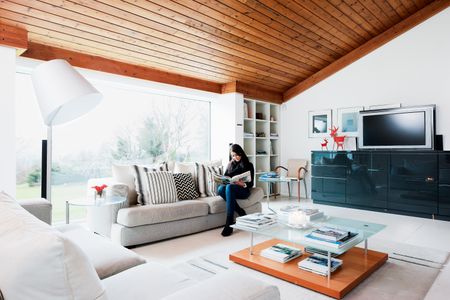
x=297 y=218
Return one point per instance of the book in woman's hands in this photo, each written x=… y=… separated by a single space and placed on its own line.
x=244 y=177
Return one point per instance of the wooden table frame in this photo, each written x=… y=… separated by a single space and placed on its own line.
x=358 y=264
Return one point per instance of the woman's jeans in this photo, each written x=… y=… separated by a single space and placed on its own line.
x=230 y=193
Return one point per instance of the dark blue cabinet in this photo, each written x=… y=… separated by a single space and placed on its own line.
x=367 y=181
x=406 y=182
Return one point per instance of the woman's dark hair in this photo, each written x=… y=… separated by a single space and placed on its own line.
x=239 y=151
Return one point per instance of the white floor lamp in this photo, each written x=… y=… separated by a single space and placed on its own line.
x=63 y=95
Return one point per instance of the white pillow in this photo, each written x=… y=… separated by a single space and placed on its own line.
x=38 y=262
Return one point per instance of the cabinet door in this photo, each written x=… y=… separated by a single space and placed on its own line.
x=413 y=182
x=329 y=190
x=444 y=184
x=367 y=180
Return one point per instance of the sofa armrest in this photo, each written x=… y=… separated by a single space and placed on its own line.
x=38 y=207
x=217 y=287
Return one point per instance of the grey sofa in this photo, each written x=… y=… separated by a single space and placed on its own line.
x=132 y=224
x=42 y=262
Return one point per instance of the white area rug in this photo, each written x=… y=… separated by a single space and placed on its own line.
x=408 y=274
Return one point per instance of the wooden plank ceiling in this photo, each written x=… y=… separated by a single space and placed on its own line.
x=269 y=45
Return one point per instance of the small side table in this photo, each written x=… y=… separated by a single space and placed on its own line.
x=98 y=202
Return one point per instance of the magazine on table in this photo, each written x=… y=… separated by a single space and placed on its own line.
x=329 y=233
x=319 y=264
x=334 y=244
x=281 y=253
x=257 y=218
x=244 y=177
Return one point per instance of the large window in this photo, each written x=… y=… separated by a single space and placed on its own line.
x=129 y=126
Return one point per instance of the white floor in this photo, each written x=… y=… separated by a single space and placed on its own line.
x=410 y=230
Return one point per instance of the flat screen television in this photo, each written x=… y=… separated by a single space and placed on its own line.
x=399 y=128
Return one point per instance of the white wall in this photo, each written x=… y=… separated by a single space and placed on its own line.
x=7 y=136
x=413 y=69
x=227 y=119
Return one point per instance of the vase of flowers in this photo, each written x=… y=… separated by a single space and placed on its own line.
x=100 y=192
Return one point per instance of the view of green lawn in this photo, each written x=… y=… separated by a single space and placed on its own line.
x=60 y=193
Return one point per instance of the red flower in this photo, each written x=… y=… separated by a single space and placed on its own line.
x=99 y=188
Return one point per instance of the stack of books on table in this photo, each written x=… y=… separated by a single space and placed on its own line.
x=311 y=213
x=281 y=253
x=331 y=237
x=256 y=221
x=318 y=264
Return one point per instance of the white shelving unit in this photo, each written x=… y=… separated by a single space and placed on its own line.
x=261 y=137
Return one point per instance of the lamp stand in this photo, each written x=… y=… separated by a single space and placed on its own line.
x=49 y=165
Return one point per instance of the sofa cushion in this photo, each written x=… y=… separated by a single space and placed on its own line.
x=217 y=204
x=184 y=182
x=228 y=285
x=160 y=188
x=154 y=214
x=106 y=257
x=204 y=177
x=38 y=262
x=141 y=180
x=147 y=281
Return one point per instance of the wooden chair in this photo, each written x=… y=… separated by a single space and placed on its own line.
x=296 y=170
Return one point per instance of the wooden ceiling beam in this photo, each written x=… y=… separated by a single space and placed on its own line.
x=42 y=52
x=14 y=37
x=376 y=42
x=252 y=91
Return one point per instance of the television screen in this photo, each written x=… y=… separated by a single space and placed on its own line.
x=395 y=129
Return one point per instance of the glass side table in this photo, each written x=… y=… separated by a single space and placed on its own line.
x=97 y=202
x=270 y=180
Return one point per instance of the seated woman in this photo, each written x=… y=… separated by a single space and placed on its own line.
x=238 y=164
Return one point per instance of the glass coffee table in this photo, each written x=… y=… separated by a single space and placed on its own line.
x=358 y=263
x=97 y=202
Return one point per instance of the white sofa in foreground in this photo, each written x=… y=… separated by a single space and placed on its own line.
x=38 y=262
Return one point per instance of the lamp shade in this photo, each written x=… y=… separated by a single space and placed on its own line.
x=62 y=93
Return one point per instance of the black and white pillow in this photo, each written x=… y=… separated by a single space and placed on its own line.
x=185 y=186
x=162 y=188
x=140 y=179
x=211 y=187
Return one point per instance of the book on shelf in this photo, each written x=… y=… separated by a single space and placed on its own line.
x=351 y=236
x=244 y=177
x=281 y=253
x=246 y=110
x=329 y=233
x=318 y=264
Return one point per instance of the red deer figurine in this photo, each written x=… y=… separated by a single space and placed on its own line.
x=338 y=140
x=324 y=144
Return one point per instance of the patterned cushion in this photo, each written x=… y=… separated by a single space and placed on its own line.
x=161 y=188
x=185 y=186
x=211 y=188
x=140 y=179
x=200 y=176
x=205 y=179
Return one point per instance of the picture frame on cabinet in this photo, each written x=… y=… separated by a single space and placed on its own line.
x=347 y=120
x=319 y=123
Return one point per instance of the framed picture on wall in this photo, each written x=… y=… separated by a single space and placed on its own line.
x=347 y=120
x=319 y=123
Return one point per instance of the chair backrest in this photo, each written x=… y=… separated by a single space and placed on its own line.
x=294 y=165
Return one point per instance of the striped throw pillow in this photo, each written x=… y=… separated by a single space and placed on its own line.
x=162 y=188
x=140 y=179
x=211 y=189
x=204 y=179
